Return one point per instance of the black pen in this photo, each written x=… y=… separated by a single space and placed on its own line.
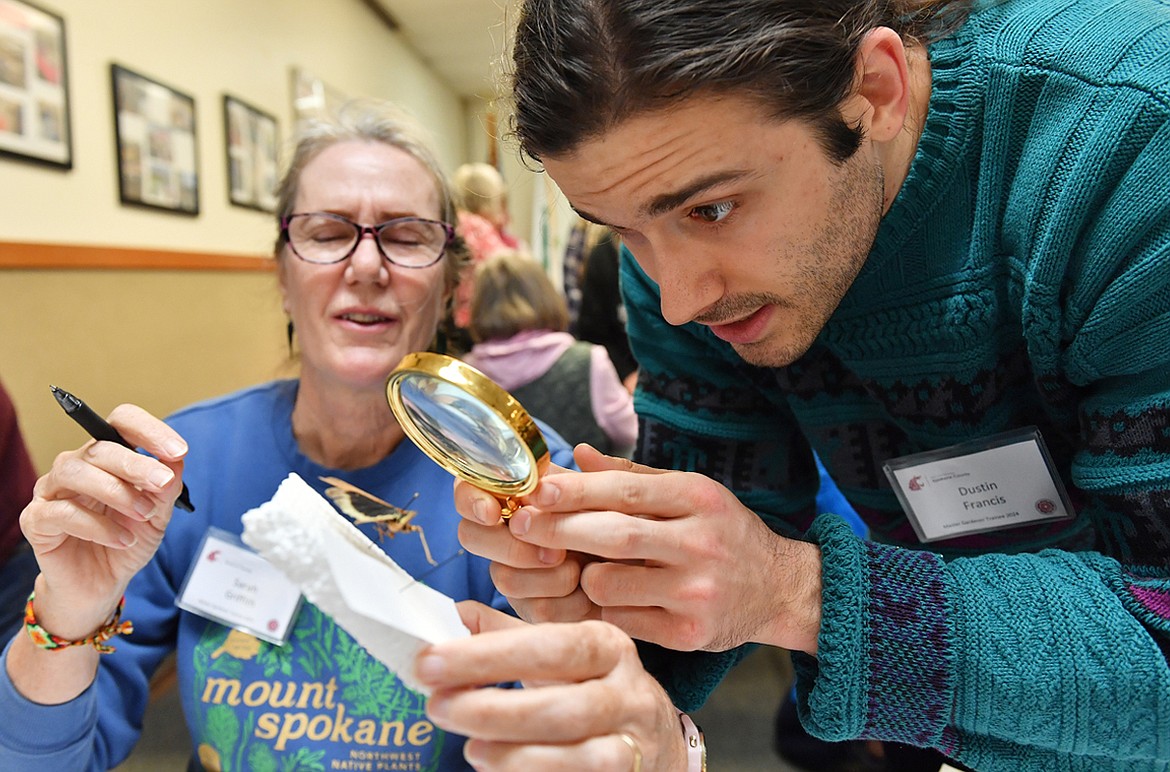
x=97 y=428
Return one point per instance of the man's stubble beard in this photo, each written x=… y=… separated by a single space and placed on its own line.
x=859 y=191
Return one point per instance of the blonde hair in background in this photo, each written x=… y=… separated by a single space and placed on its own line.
x=513 y=294
x=479 y=189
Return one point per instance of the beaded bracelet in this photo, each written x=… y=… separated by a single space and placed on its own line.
x=46 y=640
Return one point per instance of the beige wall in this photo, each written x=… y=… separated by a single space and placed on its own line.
x=205 y=48
x=165 y=338
x=160 y=339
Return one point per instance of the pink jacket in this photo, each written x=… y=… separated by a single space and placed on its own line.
x=525 y=357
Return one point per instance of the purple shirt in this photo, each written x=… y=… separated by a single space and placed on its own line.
x=17 y=476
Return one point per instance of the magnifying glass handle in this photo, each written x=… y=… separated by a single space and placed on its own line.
x=508 y=507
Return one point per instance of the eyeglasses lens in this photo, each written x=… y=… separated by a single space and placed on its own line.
x=412 y=242
x=327 y=239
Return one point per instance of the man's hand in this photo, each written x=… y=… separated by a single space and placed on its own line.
x=674 y=558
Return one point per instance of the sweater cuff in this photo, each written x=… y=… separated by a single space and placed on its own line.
x=30 y=730
x=689 y=677
x=885 y=649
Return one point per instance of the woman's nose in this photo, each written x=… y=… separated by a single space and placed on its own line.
x=366 y=263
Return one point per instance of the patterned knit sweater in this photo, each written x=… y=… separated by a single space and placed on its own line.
x=1021 y=278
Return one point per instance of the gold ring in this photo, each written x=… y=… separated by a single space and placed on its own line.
x=633 y=747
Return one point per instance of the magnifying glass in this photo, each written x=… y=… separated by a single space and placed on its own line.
x=469 y=425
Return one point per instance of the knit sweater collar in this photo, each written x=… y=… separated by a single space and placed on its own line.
x=947 y=132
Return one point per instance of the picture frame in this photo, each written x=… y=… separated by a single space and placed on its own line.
x=155 y=143
x=34 y=86
x=251 y=139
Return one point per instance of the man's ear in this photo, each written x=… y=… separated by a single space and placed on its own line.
x=881 y=97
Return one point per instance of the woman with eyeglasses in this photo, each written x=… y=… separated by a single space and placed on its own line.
x=366 y=262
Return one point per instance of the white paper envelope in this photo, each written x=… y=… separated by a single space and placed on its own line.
x=376 y=591
x=348 y=577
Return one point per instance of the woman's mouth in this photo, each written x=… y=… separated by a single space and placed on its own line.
x=365 y=318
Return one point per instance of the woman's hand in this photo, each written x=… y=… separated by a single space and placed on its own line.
x=584 y=689
x=97 y=517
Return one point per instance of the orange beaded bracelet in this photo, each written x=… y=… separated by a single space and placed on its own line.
x=46 y=640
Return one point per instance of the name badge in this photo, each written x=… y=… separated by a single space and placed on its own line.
x=232 y=585
x=999 y=482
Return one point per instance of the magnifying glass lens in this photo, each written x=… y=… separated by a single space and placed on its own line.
x=468 y=424
x=465 y=429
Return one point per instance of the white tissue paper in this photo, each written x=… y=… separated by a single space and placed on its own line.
x=348 y=577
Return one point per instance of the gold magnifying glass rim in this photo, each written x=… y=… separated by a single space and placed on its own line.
x=458 y=373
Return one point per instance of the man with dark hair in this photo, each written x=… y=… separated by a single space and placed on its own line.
x=929 y=241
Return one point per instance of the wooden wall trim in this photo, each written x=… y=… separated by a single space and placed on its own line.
x=26 y=255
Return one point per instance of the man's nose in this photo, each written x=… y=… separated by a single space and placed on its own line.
x=687 y=279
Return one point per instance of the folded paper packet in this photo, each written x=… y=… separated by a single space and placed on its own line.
x=348 y=577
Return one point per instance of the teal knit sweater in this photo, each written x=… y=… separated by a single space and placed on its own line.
x=1021 y=278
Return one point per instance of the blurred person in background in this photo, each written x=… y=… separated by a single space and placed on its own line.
x=18 y=567
x=518 y=325
x=481 y=200
x=601 y=317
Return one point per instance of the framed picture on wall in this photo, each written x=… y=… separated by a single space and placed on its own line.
x=154 y=127
x=251 y=139
x=34 y=92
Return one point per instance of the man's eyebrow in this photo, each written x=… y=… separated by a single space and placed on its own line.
x=588 y=217
x=668 y=201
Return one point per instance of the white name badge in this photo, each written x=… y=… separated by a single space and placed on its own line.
x=985 y=485
x=232 y=585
